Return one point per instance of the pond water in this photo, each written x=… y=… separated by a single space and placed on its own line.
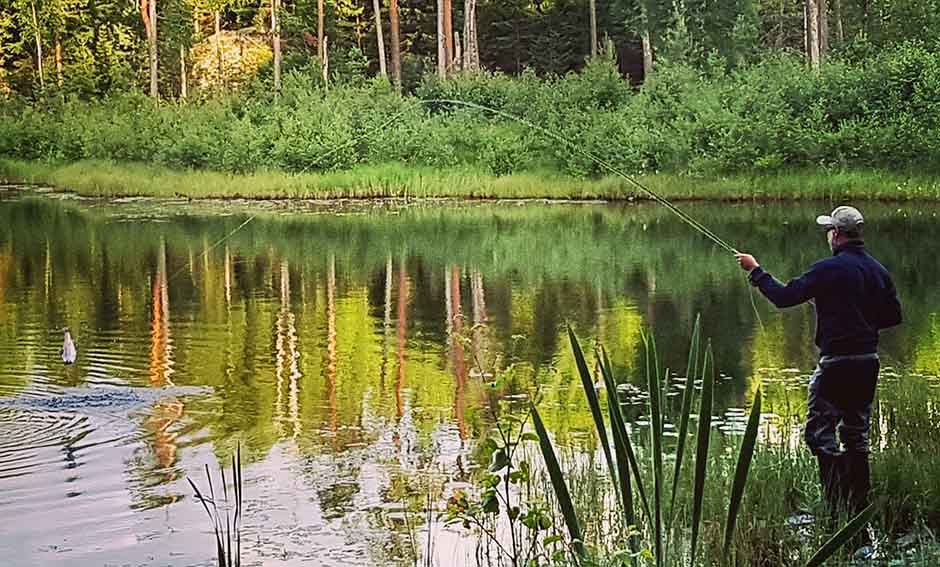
x=347 y=348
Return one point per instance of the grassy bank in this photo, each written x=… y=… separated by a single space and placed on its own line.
x=111 y=179
x=768 y=512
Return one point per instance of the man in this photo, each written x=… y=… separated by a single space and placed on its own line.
x=854 y=299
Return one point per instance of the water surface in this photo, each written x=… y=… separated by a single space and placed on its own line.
x=347 y=347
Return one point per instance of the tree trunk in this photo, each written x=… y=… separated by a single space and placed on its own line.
x=812 y=32
x=441 y=42
x=58 y=59
x=647 y=40
x=326 y=63
x=154 y=86
x=396 y=40
x=471 y=51
x=823 y=32
x=837 y=14
x=183 y=89
x=276 y=45
x=42 y=80
x=593 y=4
x=218 y=46
x=647 y=55
x=380 y=40
x=321 y=31
x=449 y=32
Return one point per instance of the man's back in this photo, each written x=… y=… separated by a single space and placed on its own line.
x=855 y=299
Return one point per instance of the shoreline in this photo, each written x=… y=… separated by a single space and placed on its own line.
x=402 y=183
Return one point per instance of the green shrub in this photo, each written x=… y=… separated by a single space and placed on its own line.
x=882 y=111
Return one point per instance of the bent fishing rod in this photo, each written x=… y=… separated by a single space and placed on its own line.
x=685 y=217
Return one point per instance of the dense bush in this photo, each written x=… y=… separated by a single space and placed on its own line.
x=881 y=112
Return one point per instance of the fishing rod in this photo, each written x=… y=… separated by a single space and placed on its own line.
x=671 y=207
x=685 y=217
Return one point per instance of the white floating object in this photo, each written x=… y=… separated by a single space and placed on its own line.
x=68 y=348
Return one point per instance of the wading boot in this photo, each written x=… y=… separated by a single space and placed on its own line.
x=831 y=478
x=857 y=485
x=856 y=489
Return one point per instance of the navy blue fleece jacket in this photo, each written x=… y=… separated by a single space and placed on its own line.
x=853 y=294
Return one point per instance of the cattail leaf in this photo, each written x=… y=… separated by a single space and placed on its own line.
x=558 y=483
x=701 y=451
x=742 y=469
x=588 y=383
x=656 y=438
x=690 y=375
x=843 y=536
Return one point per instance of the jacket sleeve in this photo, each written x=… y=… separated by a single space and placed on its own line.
x=796 y=291
x=889 y=311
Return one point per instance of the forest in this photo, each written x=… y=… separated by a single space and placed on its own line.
x=740 y=87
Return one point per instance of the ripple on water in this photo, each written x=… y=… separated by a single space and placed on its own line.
x=24 y=434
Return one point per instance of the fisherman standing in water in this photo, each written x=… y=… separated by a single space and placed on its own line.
x=854 y=299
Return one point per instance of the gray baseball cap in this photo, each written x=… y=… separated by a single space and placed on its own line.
x=842 y=218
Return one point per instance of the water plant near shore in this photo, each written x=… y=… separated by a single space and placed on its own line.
x=657 y=525
x=225 y=514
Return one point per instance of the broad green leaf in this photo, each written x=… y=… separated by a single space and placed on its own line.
x=558 y=482
x=588 y=383
x=741 y=471
x=843 y=536
x=701 y=452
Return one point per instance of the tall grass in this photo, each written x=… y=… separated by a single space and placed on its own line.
x=225 y=514
x=107 y=178
x=658 y=523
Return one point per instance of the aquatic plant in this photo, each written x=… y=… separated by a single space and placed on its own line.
x=226 y=515
x=658 y=522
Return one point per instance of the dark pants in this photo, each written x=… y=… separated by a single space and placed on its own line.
x=840 y=397
x=841 y=392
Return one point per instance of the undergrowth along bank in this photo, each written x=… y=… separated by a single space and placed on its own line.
x=105 y=178
x=770 y=117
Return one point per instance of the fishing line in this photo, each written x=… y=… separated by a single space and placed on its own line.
x=685 y=217
x=214 y=246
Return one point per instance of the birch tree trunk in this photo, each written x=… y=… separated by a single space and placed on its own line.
x=647 y=55
x=218 y=46
x=377 y=8
x=58 y=59
x=276 y=45
x=812 y=32
x=154 y=86
x=837 y=14
x=183 y=85
x=42 y=80
x=326 y=63
x=823 y=30
x=441 y=43
x=396 y=40
x=593 y=4
x=647 y=40
x=471 y=51
x=321 y=30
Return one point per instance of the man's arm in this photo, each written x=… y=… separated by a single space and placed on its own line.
x=889 y=312
x=796 y=291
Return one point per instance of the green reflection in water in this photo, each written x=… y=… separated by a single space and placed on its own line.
x=361 y=337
